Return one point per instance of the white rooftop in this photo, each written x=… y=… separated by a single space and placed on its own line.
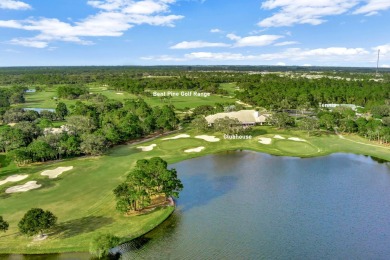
x=244 y=116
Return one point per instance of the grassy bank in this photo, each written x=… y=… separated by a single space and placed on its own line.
x=84 y=203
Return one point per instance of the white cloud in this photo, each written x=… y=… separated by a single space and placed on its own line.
x=233 y=37
x=261 y=40
x=162 y=58
x=198 y=44
x=216 y=30
x=373 y=6
x=115 y=18
x=249 y=41
x=303 y=11
x=384 y=49
x=14 y=5
x=133 y=7
x=215 y=56
x=29 y=43
x=333 y=55
x=286 y=43
x=313 y=11
x=385 y=66
x=332 y=51
x=306 y=65
x=281 y=64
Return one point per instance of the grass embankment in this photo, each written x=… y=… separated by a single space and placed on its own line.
x=83 y=199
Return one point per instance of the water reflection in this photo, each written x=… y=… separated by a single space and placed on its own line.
x=246 y=205
x=164 y=233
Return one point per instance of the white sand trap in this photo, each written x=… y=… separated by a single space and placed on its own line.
x=296 y=139
x=195 y=150
x=147 y=148
x=279 y=137
x=56 y=172
x=12 y=124
x=265 y=140
x=177 y=137
x=23 y=188
x=120 y=93
x=40 y=237
x=13 y=178
x=208 y=138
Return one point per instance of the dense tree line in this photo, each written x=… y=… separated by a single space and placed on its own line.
x=276 y=92
x=339 y=120
x=90 y=129
x=10 y=96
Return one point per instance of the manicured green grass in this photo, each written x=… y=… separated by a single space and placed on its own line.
x=229 y=87
x=181 y=102
x=45 y=99
x=83 y=199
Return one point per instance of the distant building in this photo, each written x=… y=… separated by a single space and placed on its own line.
x=246 y=117
x=351 y=106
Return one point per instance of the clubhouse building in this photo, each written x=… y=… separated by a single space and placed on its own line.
x=246 y=117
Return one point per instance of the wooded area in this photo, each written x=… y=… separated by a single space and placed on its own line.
x=93 y=123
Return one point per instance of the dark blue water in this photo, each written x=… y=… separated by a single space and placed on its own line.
x=247 y=205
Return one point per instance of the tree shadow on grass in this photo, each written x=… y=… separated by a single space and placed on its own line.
x=4 y=195
x=5 y=160
x=256 y=132
x=123 y=152
x=78 y=226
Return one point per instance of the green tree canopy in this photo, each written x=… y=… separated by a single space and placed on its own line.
x=149 y=178
x=200 y=123
x=100 y=245
x=61 y=110
x=3 y=224
x=36 y=221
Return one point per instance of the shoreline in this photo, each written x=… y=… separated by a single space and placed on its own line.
x=86 y=250
x=213 y=148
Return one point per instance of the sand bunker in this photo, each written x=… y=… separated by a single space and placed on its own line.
x=13 y=178
x=147 y=148
x=265 y=140
x=56 y=172
x=279 y=137
x=23 y=188
x=296 y=139
x=120 y=93
x=195 y=150
x=208 y=138
x=177 y=137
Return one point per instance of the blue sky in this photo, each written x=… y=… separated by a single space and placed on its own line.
x=196 y=32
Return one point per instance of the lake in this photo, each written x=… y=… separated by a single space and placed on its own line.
x=247 y=205
x=39 y=110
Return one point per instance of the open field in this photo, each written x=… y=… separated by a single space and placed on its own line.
x=82 y=198
x=44 y=99
x=229 y=87
x=182 y=102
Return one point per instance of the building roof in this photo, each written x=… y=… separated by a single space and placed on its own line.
x=244 y=116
